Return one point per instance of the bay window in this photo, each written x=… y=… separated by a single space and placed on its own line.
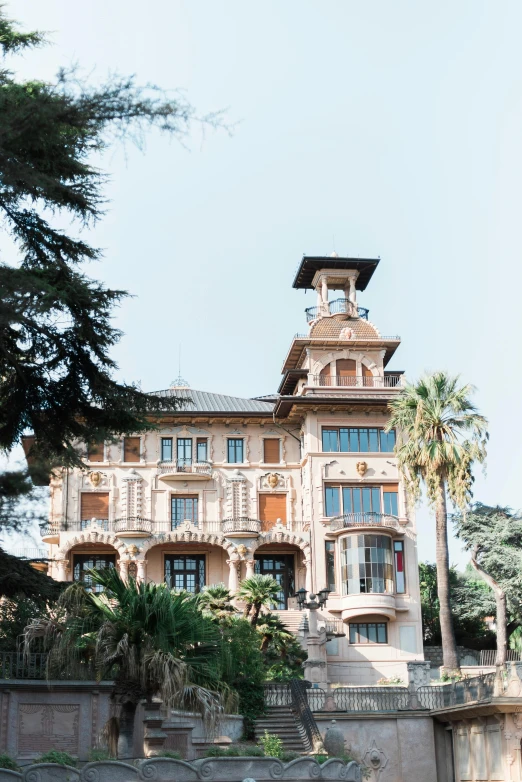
x=366 y=564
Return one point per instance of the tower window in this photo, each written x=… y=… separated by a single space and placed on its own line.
x=183 y=509
x=234 y=450
x=366 y=564
x=358 y=440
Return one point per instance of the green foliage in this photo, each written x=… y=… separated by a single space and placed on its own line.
x=390 y=681
x=8 y=762
x=440 y=436
x=272 y=745
x=98 y=753
x=257 y=592
x=287 y=757
x=215 y=602
x=19 y=580
x=471 y=601
x=168 y=753
x=237 y=751
x=55 y=756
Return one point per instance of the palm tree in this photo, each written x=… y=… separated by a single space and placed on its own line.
x=257 y=592
x=273 y=631
x=439 y=437
x=216 y=602
x=147 y=638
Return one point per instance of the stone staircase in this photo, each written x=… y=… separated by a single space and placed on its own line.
x=281 y=721
x=291 y=618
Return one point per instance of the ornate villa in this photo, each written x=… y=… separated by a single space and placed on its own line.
x=302 y=485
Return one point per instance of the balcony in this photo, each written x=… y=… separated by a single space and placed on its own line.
x=366 y=519
x=336 y=381
x=132 y=527
x=338 y=306
x=241 y=527
x=184 y=470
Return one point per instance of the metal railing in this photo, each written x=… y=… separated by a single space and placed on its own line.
x=31 y=554
x=17 y=665
x=335 y=628
x=488 y=656
x=241 y=524
x=133 y=524
x=334 y=307
x=306 y=722
x=372 y=698
x=277 y=694
x=363 y=519
x=339 y=381
x=380 y=338
x=184 y=466
x=473 y=690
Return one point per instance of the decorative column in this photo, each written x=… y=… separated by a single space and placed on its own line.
x=233 y=581
x=63 y=567
x=325 y=310
x=123 y=564
x=142 y=569
x=250 y=565
x=308 y=574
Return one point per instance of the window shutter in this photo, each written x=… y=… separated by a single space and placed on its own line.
x=346 y=369
x=390 y=488
x=271 y=508
x=131 y=449
x=94 y=505
x=95 y=452
x=325 y=374
x=271 y=451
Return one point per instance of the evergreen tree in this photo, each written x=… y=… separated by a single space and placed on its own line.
x=56 y=373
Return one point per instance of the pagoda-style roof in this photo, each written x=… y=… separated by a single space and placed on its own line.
x=310 y=265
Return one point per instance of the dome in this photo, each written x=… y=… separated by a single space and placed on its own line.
x=331 y=328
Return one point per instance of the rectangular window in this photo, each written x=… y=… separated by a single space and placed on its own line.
x=94 y=505
x=329 y=550
x=95 y=452
x=85 y=562
x=183 y=509
x=331 y=501
x=358 y=440
x=131 y=449
x=391 y=499
x=166 y=449
x=271 y=451
x=202 y=449
x=185 y=572
x=184 y=452
x=398 y=553
x=368 y=633
x=234 y=450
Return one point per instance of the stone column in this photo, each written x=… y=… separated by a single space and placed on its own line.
x=142 y=569
x=324 y=290
x=233 y=581
x=250 y=565
x=123 y=564
x=316 y=667
x=308 y=574
x=418 y=676
x=63 y=567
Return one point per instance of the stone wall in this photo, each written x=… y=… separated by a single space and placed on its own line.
x=466 y=656
x=212 y=769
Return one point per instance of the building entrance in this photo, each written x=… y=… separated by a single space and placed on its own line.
x=281 y=568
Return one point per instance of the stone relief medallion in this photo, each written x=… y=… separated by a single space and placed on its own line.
x=347 y=333
x=361 y=468
x=95 y=478
x=272 y=480
x=242 y=550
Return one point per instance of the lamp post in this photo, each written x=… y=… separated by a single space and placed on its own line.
x=316 y=665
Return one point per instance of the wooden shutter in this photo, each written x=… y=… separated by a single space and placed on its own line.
x=367 y=373
x=347 y=370
x=95 y=505
x=131 y=449
x=271 y=451
x=392 y=488
x=95 y=452
x=271 y=508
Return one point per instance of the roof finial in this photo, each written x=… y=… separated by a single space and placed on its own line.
x=179 y=382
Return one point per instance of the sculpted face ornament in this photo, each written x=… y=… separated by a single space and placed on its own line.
x=347 y=333
x=272 y=480
x=95 y=478
x=242 y=550
x=361 y=468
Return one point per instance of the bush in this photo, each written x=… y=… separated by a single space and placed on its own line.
x=8 y=763
x=287 y=757
x=54 y=756
x=384 y=682
x=168 y=753
x=251 y=705
x=272 y=745
x=241 y=751
x=98 y=753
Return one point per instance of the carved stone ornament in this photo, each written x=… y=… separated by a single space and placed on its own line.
x=132 y=550
x=242 y=550
x=347 y=333
x=375 y=759
x=272 y=480
x=95 y=478
x=361 y=468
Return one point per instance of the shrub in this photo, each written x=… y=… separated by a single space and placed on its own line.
x=286 y=757
x=215 y=752
x=390 y=680
x=168 y=753
x=272 y=745
x=251 y=705
x=99 y=753
x=241 y=751
x=7 y=762
x=54 y=756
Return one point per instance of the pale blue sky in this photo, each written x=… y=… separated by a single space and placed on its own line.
x=389 y=129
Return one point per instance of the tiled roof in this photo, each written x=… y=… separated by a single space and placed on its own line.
x=331 y=328
x=205 y=402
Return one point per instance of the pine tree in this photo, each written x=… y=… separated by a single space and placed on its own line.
x=56 y=372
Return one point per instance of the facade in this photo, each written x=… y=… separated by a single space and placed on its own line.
x=302 y=485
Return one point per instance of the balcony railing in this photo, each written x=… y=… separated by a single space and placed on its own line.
x=333 y=381
x=242 y=525
x=363 y=519
x=335 y=307
x=185 y=466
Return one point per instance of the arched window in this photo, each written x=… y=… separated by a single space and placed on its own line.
x=366 y=564
x=346 y=372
